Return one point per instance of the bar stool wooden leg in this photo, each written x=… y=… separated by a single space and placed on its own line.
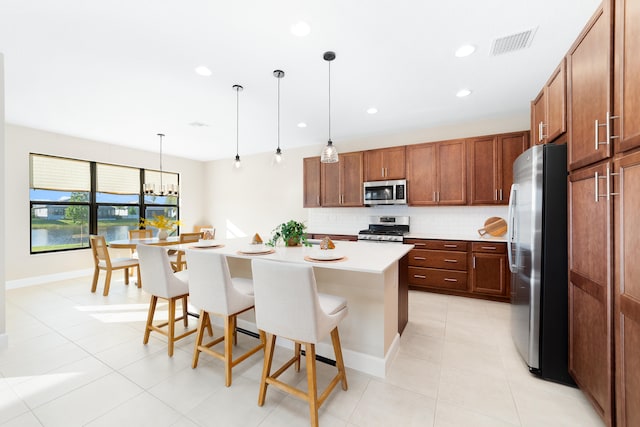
x=312 y=383
x=228 y=347
x=266 y=369
x=171 y=325
x=337 y=349
x=204 y=318
x=185 y=317
x=152 y=311
x=126 y=276
x=296 y=354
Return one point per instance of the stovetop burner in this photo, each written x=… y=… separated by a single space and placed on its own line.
x=386 y=229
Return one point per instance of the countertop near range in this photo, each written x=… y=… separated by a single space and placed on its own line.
x=462 y=236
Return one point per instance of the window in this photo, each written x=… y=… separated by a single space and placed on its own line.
x=71 y=199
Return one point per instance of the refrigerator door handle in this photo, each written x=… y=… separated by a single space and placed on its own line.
x=511 y=225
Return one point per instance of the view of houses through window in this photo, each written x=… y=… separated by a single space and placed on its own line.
x=71 y=199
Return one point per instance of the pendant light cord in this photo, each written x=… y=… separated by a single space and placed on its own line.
x=161 y=189
x=329 y=100
x=237 y=118
x=278 y=113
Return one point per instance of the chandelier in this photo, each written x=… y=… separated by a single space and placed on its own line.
x=163 y=190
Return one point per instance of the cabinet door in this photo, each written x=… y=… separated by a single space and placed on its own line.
x=394 y=163
x=556 y=103
x=483 y=179
x=421 y=174
x=590 y=287
x=452 y=173
x=627 y=290
x=330 y=184
x=510 y=146
x=539 y=119
x=384 y=164
x=488 y=274
x=311 y=184
x=589 y=75
x=351 y=171
x=627 y=101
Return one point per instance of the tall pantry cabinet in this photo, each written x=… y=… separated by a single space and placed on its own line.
x=604 y=200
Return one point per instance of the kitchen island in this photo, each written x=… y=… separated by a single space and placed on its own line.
x=372 y=279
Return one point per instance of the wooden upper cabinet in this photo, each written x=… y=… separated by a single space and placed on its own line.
x=627 y=82
x=589 y=73
x=311 y=182
x=436 y=173
x=491 y=166
x=341 y=183
x=556 y=104
x=538 y=118
x=384 y=164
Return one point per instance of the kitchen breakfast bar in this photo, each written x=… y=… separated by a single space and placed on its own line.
x=371 y=276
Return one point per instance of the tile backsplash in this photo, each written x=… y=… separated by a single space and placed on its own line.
x=437 y=220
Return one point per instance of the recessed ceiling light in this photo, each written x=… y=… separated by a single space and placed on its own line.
x=203 y=71
x=302 y=125
x=372 y=110
x=300 y=29
x=463 y=92
x=465 y=50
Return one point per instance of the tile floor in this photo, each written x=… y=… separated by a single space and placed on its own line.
x=77 y=358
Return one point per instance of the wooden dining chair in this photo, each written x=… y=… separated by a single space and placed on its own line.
x=103 y=261
x=146 y=233
x=199 y=228
x=178 y=260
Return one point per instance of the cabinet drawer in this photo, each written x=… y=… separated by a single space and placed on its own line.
x=445 y=279
x=438 y=245
x=438 y=259
x=491 y=248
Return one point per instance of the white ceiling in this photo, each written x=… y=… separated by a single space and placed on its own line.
x=120 y=71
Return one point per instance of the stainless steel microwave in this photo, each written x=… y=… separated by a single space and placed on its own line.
x=385 y=192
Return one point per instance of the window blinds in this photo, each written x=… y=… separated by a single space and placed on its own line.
x=55 y=173
x=117 y=179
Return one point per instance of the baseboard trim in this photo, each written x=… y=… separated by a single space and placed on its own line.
x=47 y=278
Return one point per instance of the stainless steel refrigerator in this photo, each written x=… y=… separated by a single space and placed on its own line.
x=537 y=249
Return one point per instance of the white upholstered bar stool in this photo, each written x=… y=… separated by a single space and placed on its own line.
x=213 y=291
x=161 y=282
x=288 y=305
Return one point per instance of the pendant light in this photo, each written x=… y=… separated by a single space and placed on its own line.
x=238 y=89
x=150 y=188
x=277 y=158
x=329 y=153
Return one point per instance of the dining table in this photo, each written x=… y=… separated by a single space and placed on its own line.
x=132 y=243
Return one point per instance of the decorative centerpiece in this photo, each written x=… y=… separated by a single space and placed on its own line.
x=292 y=233
x=162 y=223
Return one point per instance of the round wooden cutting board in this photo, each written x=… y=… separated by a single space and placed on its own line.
x=494 y=226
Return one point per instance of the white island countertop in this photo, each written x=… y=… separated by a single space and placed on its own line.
x=358 y=256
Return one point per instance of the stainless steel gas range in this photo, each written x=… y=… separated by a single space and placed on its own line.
x=385 y=229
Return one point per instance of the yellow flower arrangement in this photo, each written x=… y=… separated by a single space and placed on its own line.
x=160 y=222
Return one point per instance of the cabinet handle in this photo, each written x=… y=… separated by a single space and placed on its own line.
x=607 y=126
x=541 y=134
x=420 y=244
x=495 y=196
x=501 y=194
x=491 y=248
x=474 y=262
x=438 y=196
x=382 y=172
x=419 y=258
x=450 y=246
x=607 y=179
x=434 y=196
x=451 y=260
x=419 y=276
x=446 y=279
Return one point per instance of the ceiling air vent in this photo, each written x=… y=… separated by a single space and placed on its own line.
x=513 y=42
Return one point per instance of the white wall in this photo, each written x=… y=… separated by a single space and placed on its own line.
x=20 y=141
x=258 y=197
x=3 y=186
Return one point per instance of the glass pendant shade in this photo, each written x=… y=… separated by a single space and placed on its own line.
x=329 y=153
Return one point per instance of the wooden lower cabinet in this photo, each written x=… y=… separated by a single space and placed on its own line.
x=489 y=273
x=590 y=287
x=627 y=289
x=447 y=266
x=343 y=237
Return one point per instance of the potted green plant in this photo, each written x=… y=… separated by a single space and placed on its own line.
x=292 y=233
